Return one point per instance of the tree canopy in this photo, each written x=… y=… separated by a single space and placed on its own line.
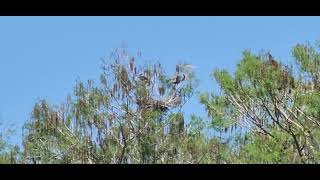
x=267 y=112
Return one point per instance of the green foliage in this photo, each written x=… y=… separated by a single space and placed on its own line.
x=9 y=154
x=278 y=110
x=133 y=116
x=265 y=113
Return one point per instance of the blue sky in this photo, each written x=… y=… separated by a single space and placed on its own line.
x=41 y=57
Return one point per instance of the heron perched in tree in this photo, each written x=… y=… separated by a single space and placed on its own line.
x=131 y=64
x=143 y=77
x=270 y=57
x=272 y=61
x=176 y=79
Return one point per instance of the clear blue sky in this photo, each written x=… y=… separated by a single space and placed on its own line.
x=41 y=57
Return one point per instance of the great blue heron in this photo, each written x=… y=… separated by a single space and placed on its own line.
x=270 y=57
x=131 y=64
x=272 y=61
x=176 y=79
x=143 y=78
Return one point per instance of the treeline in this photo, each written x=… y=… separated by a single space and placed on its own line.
x=267 y=112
